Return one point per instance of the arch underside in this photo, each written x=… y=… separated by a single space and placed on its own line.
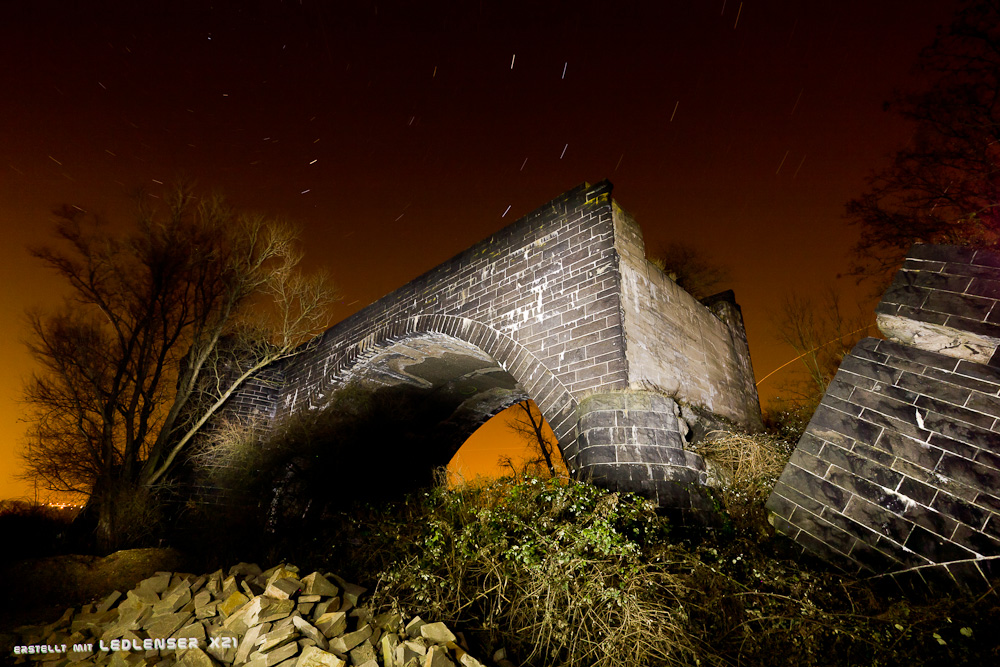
x=462 y=369
x=454 y=377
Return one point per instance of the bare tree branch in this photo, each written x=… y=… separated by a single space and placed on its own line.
x=944 y=185
x=160 y=328
x=530 y=426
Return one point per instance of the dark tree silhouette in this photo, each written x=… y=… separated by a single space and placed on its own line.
x=160 y=327
x=943 y=186
x=691 y=269
x=530 y=426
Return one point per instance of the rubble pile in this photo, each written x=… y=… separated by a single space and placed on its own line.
x=247 y=617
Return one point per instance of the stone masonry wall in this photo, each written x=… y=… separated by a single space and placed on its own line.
x=899 y=468
x=631 y=441
x=544 y=288
x=677 y=346
x=544 y=298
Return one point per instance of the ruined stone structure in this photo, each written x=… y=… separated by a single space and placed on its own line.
x=899 y=469
x=561 y=307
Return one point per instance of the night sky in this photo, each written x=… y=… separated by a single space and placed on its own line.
x=397 y=134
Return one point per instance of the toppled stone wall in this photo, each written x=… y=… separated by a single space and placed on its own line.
x=899 y=468
x=245 y=617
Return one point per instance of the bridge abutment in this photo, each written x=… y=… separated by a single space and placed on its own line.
x=632 y=441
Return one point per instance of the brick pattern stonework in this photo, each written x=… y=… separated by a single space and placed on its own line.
x=945 y=298
x=625 y=433
x=545 y=297
x=899 y=468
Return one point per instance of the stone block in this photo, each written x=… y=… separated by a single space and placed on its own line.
x=108 y=602
x=413 y=627
x=284 y=588
x=362 y=653
x=277 y=637
x=332 y=623
x=274 y=657
x=309 y=630
x=345 y=642
x=404 y=654
x=276 y=609
x=192 y=630
x=351 y=592
x=156 y=584
x=249 y=642
x=172 y=601
x=437 y=633
x=222 y=644
x=387 y=646
x=233 y=602
x=192 y=657
x=324 y=606
x=316 y=584
x=437 y=656
x=467 y=660
x=314 y=657
x=165 y=625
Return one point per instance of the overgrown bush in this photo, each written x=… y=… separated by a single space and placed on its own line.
x=560 y=572
x=786 y=419
x=569 y=574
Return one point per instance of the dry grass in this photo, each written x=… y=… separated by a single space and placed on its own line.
x=746 y=468
x=749 y=461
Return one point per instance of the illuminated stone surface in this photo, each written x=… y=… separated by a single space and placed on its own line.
x=294 y=641
x=559 y=306
x=899 y=468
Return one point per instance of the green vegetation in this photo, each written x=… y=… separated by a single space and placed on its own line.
x=564 y=573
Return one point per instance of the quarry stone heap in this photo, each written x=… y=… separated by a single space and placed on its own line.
x=564 y=307
x=247 y=617
x=898 y=471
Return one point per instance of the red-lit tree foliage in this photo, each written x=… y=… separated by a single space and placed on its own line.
x=944 y=185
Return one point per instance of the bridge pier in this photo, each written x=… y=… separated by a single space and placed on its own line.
x=632 y=441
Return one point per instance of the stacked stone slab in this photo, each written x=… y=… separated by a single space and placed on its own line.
x=247 y=617
x=618 y=432
x=898 y=471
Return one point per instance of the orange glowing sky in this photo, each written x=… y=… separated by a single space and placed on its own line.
x=398 y=134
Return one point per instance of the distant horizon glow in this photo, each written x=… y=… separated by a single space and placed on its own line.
x=341 y=121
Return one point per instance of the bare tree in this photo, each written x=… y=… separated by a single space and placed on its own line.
x=530 y=426
x=159 y=329
x=944 y=185
x=691 y=269
x=822 y=334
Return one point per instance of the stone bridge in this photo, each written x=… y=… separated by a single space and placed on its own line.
x=561 y=307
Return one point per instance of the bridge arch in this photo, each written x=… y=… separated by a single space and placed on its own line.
x=621 y=361
x=393 y=354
